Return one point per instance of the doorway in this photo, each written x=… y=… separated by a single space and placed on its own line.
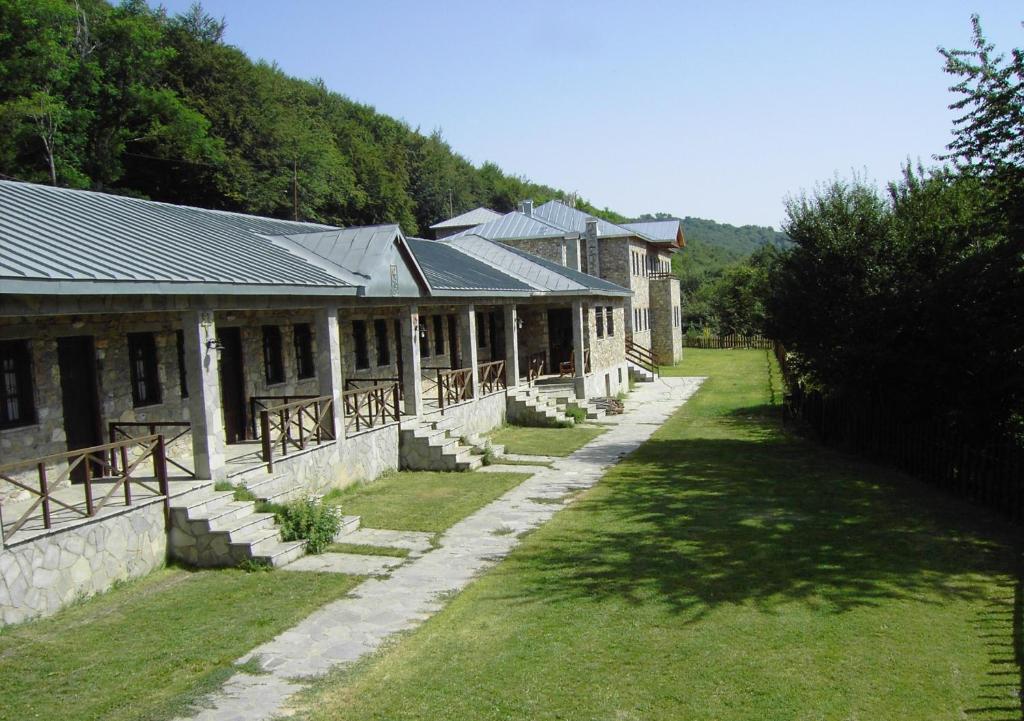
x=398 y=354
x=453 y=342
x=559 y=336
x=76 y=359
x=232 y=384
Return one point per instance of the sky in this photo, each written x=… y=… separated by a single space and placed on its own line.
x=711 y=109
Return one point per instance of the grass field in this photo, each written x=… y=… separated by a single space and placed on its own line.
x=148 y=648
x=423 y=500
x=545 y=441
x=725 y=571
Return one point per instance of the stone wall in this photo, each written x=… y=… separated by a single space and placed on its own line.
x=41 y=575
x=553 y=249
x=609 y=351
x=477 y=416
x=667 y=337
x=607 y=382
x=533 y=336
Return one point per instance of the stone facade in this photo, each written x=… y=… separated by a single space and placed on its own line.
x=666 y=317
x=39 y=576
x=553 y=249
x=477 y=416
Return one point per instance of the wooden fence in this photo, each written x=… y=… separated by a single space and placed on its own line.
x=991 y=475
x=758 y=342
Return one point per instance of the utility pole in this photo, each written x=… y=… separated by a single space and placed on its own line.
x=295 y=188
x=451 y=208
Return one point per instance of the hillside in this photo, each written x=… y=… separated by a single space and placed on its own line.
x=129 y=100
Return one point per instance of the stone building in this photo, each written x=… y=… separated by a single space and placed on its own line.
x=149 y=350
x=636 y=256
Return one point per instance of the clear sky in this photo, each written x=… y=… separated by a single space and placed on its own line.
x=711 y=109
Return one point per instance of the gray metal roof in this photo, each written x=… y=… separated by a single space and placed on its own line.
x=54 y=240
x=562 y=216
x=448 y=268
x=515 y=225
x=659 y=231
x=541 y=274
x=468 y=219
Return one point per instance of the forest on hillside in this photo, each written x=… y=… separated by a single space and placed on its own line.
x=127 y=99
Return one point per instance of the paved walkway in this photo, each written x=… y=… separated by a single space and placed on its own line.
x=343 y=631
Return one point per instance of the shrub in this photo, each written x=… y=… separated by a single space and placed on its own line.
x=311 y=520
x=577 y=414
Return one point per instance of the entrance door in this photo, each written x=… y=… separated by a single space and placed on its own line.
x=76 y=358
x=453 y=342
x=497 y=351
x=232 y=383
x=559 y=336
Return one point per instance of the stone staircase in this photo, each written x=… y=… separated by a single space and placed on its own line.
x=527 y=406
x=639 y=374
x=566 y=398
x=434 y=445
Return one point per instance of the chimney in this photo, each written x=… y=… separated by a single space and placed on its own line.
x=593 y=252
x=572 y=247
x=526 y=208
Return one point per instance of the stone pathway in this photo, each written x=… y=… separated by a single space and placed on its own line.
x=343 y=631
x=416 y=542
x=355 y=564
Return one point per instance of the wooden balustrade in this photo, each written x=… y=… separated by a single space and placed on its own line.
x=454 y=386
x=373 y=406
x=124 y=431
x=261 y=403
x=661 y=275
x=352 y=384
x=641 y=356
x=492 y=376
x=291 y=425
x=97 y=465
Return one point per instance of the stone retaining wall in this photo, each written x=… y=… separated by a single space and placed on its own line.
x=41 y=575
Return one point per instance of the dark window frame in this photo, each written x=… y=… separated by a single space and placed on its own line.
x=424 y=338
x=143 y=369
x=361 y=345
x=609 y=321
x=273 y=356
x=481 y=330
x=381 y=344
x=179 y=340
x=302 y=342
x=599 y=321
x=16 y=386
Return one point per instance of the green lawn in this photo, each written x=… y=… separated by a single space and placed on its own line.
x=545 y=441
x=724 y=571
x=423 y=500
x=147 y=648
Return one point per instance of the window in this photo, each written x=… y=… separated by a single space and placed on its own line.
x=424 y=338
x=179 y=337
x=362 y=349
x=481 y=331
x=273 y=363
x=647 y=318
x=142 y=366
x=302 y=338
x=17 y=406
x=599 y=318
x=380 y=331
x=438 y=335
x=609 y=321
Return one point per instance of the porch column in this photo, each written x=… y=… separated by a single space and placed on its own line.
x=511 y=346
x=328 y=362
x=579 y=329
x=202 y=373
x=467 y=339
x=412 y=379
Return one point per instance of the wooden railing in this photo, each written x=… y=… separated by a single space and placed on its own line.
x=454 y=387
x=373 y=406
x=123 y=431
x=295 y=424
x=641 y=356
x=352 y=384
x=568 y=368
x=734 y=340
x=661 y=275
x=96 y=465
x=535 y=363
x=492 y=376
x=261 y=403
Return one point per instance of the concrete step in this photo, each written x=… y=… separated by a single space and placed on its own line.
x=349 y=524
x=281 y=553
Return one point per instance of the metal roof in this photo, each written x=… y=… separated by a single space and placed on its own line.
x=55 y=240
x=543 y=275
x=514 y=225
x=562 y=216
x=659 y=231
x=448 y=268
x=468 y=219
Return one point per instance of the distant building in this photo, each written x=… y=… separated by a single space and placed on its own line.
x=469 y=219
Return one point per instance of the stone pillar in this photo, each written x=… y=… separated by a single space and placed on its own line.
x=328 y=362
x=412 y=378
x=511 y=346
x=202 y=372
x=579 y=329
x=467 y=339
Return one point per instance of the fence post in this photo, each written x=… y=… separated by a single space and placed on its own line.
x=160 y=461
x=44 y=491
x=268 y=449
x=89 y=508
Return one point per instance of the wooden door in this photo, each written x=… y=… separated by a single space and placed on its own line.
x=232 y=384
x=559 y=336
x=76 y=359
